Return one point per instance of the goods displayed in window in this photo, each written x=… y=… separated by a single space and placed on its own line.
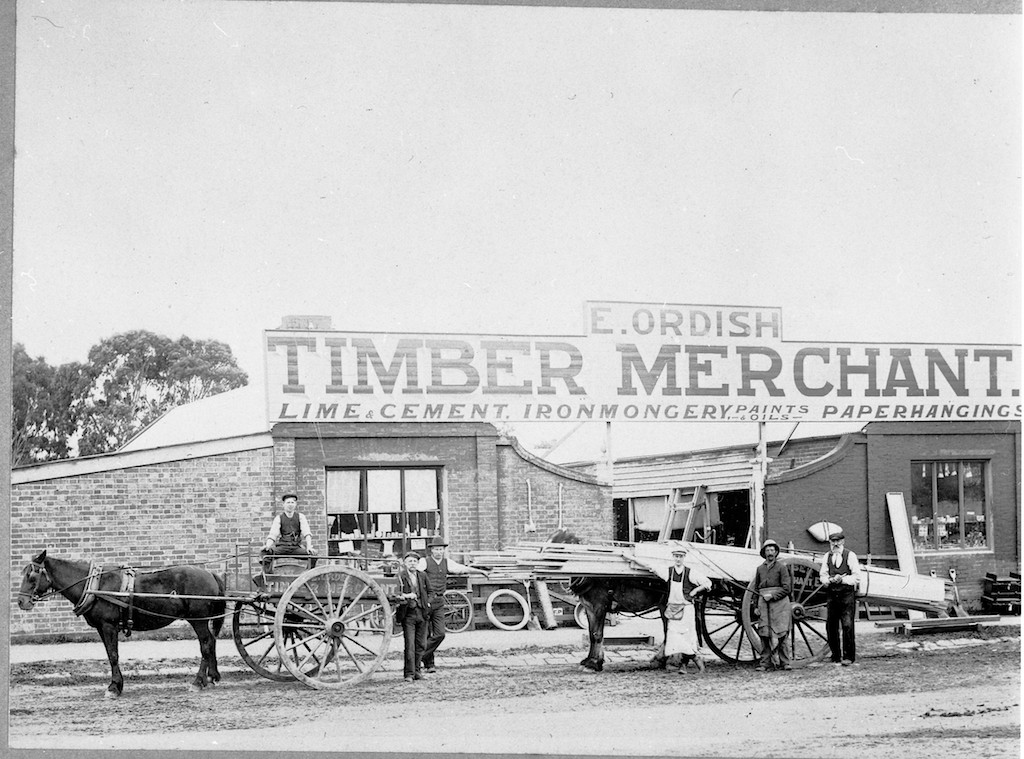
x=948 y=505
x=377 y=512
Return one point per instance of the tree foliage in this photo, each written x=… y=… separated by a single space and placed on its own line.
x=129 y=381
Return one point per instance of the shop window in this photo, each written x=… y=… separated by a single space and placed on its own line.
x=948 y=505
x=382 y=511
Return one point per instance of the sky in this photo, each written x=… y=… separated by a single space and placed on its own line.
x=207 y=168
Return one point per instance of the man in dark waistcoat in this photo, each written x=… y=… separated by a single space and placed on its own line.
x=289 y=535
x=437 y=567
x=414 y=593
x=840 y=574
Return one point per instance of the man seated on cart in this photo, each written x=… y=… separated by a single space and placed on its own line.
x=289 y=535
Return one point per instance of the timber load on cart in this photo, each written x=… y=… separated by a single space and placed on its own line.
x=726 y=615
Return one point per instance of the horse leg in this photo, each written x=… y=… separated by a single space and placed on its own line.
x=659 y=659
x=595 y=618
x=108 y=634
x=207 y=653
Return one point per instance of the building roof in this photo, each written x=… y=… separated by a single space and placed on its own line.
x=235 y=413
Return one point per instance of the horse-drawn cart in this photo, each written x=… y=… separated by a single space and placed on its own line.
x=328 y=627
x=726 y=615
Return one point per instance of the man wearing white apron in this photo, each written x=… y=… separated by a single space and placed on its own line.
x=684 y=583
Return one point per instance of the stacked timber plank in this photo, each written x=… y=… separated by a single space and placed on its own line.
x=562 y=560
x=531 y=560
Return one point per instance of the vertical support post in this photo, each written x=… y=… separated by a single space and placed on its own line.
x=760 y=473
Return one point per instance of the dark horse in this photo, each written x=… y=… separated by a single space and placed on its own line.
x=45 y=575
x=601 y=595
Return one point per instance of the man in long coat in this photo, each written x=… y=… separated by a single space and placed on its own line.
x=773 y=585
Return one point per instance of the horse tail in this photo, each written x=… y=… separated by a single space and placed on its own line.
x=220 y=606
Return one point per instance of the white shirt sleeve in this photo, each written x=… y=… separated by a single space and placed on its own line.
x=659 y=569
x=275 y=529
x=823 y=569
x=456 y=568
x=700 y=579
x=304 y=532
x=855 y=574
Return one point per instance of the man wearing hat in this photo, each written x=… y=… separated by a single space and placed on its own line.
x=773 y=586
x=840 y=574
x=411 y=614
x=684 y=583
x=289 y=535
x=437 y=567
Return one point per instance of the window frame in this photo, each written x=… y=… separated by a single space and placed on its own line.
x=365 y=516
x=986 y=476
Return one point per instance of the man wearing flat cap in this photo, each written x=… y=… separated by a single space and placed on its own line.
x=289 y=534
x=437 y=567
x=683 y=585
x=773 y=588
x=840 y=574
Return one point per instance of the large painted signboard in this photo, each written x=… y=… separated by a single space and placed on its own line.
x=635 y=362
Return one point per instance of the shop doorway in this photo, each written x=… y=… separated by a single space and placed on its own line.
x=733 y=518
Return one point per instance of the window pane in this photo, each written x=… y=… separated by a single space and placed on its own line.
x=420 y=490
x=922 y=527
x=947 y=487
x=342 y=491
x=975 y=535
x=384 y=490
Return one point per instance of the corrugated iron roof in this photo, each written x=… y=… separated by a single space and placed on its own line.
x=225 y=415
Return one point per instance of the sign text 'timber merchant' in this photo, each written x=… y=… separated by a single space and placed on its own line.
x=637 y=362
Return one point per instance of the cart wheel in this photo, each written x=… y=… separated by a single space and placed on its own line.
x=252 y=627
x=458 y=611
x=338 y=617
x=506 y=600
x=720 y=623
x=808 y=641
x=579 y=614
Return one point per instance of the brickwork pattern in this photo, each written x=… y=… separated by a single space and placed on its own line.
x=852 y=492
x=586 y=507
x=189 y=511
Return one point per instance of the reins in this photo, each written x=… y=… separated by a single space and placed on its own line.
x=92 y=592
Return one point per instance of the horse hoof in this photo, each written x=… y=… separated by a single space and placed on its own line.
x=194 y=687
x=111 y=694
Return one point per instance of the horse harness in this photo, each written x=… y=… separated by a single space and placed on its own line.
x=125 y=597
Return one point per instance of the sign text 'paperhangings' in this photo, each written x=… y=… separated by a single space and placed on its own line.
x=637 y=362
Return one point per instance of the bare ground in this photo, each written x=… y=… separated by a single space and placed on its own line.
x=960 y=699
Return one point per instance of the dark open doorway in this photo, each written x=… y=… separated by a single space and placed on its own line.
x=733 y=518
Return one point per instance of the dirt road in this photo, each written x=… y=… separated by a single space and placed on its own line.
x=956 y=696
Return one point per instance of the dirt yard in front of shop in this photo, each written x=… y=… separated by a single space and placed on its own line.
x=955 y=695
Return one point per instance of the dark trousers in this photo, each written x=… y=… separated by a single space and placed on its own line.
x=842 y=610
x=267 y=557
x=781 y=650
x=435 y=634
x=414 y=631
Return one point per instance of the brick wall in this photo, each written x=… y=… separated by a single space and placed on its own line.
x=586 y=505
x=484 y=485
x=850 y=488
x=188 y=511
x=797 y=453
x=834 y=491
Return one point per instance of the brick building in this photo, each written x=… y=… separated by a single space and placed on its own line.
x=960 y=482
x=179 y=494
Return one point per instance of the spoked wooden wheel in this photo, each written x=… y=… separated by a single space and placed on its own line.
x=720 y=623
x=808 y=640
x=252 y=627
x=332 y=628
x=458 y=611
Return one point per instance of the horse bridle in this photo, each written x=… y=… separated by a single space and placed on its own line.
x=40 y=571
